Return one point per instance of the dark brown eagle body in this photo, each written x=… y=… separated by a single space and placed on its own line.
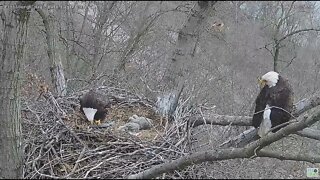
x=95 y=100
x=281 y=96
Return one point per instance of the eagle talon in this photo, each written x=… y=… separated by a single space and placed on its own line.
x=98 y=122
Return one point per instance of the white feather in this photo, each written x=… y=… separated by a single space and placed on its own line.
x=89 y=112
x=271 y=78
x=265 y=125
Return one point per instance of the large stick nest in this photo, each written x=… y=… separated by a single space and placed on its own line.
x=60 y=143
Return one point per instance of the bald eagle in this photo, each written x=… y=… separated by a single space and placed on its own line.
x=274 y=103
x=93 y=105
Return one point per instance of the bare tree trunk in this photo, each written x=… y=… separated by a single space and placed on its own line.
x=184 y=52
x=14 y=22
x=187 y=41
x=56 y=68
x=69 y=67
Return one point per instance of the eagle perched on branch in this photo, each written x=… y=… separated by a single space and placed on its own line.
x=93 y=104
x=274 y=103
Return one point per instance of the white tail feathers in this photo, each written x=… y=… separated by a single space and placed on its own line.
x=265 y=125
x=90 y=112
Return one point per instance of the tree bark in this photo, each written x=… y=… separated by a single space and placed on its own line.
x=186 y=43
x=56 y=68
x=184 y=52
x=13 y=47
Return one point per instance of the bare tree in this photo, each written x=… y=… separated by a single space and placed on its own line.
x=56 y=68
x=14 y=28
x=284 y=27
x=98 y=31
x=137 y=35
x=187 y=41
x=185 y=49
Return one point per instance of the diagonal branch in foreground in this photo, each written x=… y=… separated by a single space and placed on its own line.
x=309 y=133
x=306 y=157
x=249 y=151
x=251 y=135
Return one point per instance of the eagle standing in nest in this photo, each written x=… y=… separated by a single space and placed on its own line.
x=93 y=105
x=274 y=104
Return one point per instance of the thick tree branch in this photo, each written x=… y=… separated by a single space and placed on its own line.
x=250 y=151
x=308 y=157
x=224 y=120
x=309 y=133
x=305 y=104
x=242 y=139
x=251 y=135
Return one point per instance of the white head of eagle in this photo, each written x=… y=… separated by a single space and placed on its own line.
x=271 y=78
x=273 y=104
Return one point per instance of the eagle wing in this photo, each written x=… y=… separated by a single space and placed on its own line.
x=282 y=97
x=261 y=102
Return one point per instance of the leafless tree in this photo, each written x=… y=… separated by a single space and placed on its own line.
x=56 y=68
x=283 y=27
x=14 y=18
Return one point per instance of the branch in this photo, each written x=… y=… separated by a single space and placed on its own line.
x=295 y=32
x=309 y=133
x=222 y=120
x=308 y=157
x=225 y=120
x=251 y=135
x=250 y=151
x=295 y=56
x=242 y=139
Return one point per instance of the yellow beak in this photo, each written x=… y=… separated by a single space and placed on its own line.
x=262 y=83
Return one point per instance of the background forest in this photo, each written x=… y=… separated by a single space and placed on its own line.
x=135 y=41
x=214 y=50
